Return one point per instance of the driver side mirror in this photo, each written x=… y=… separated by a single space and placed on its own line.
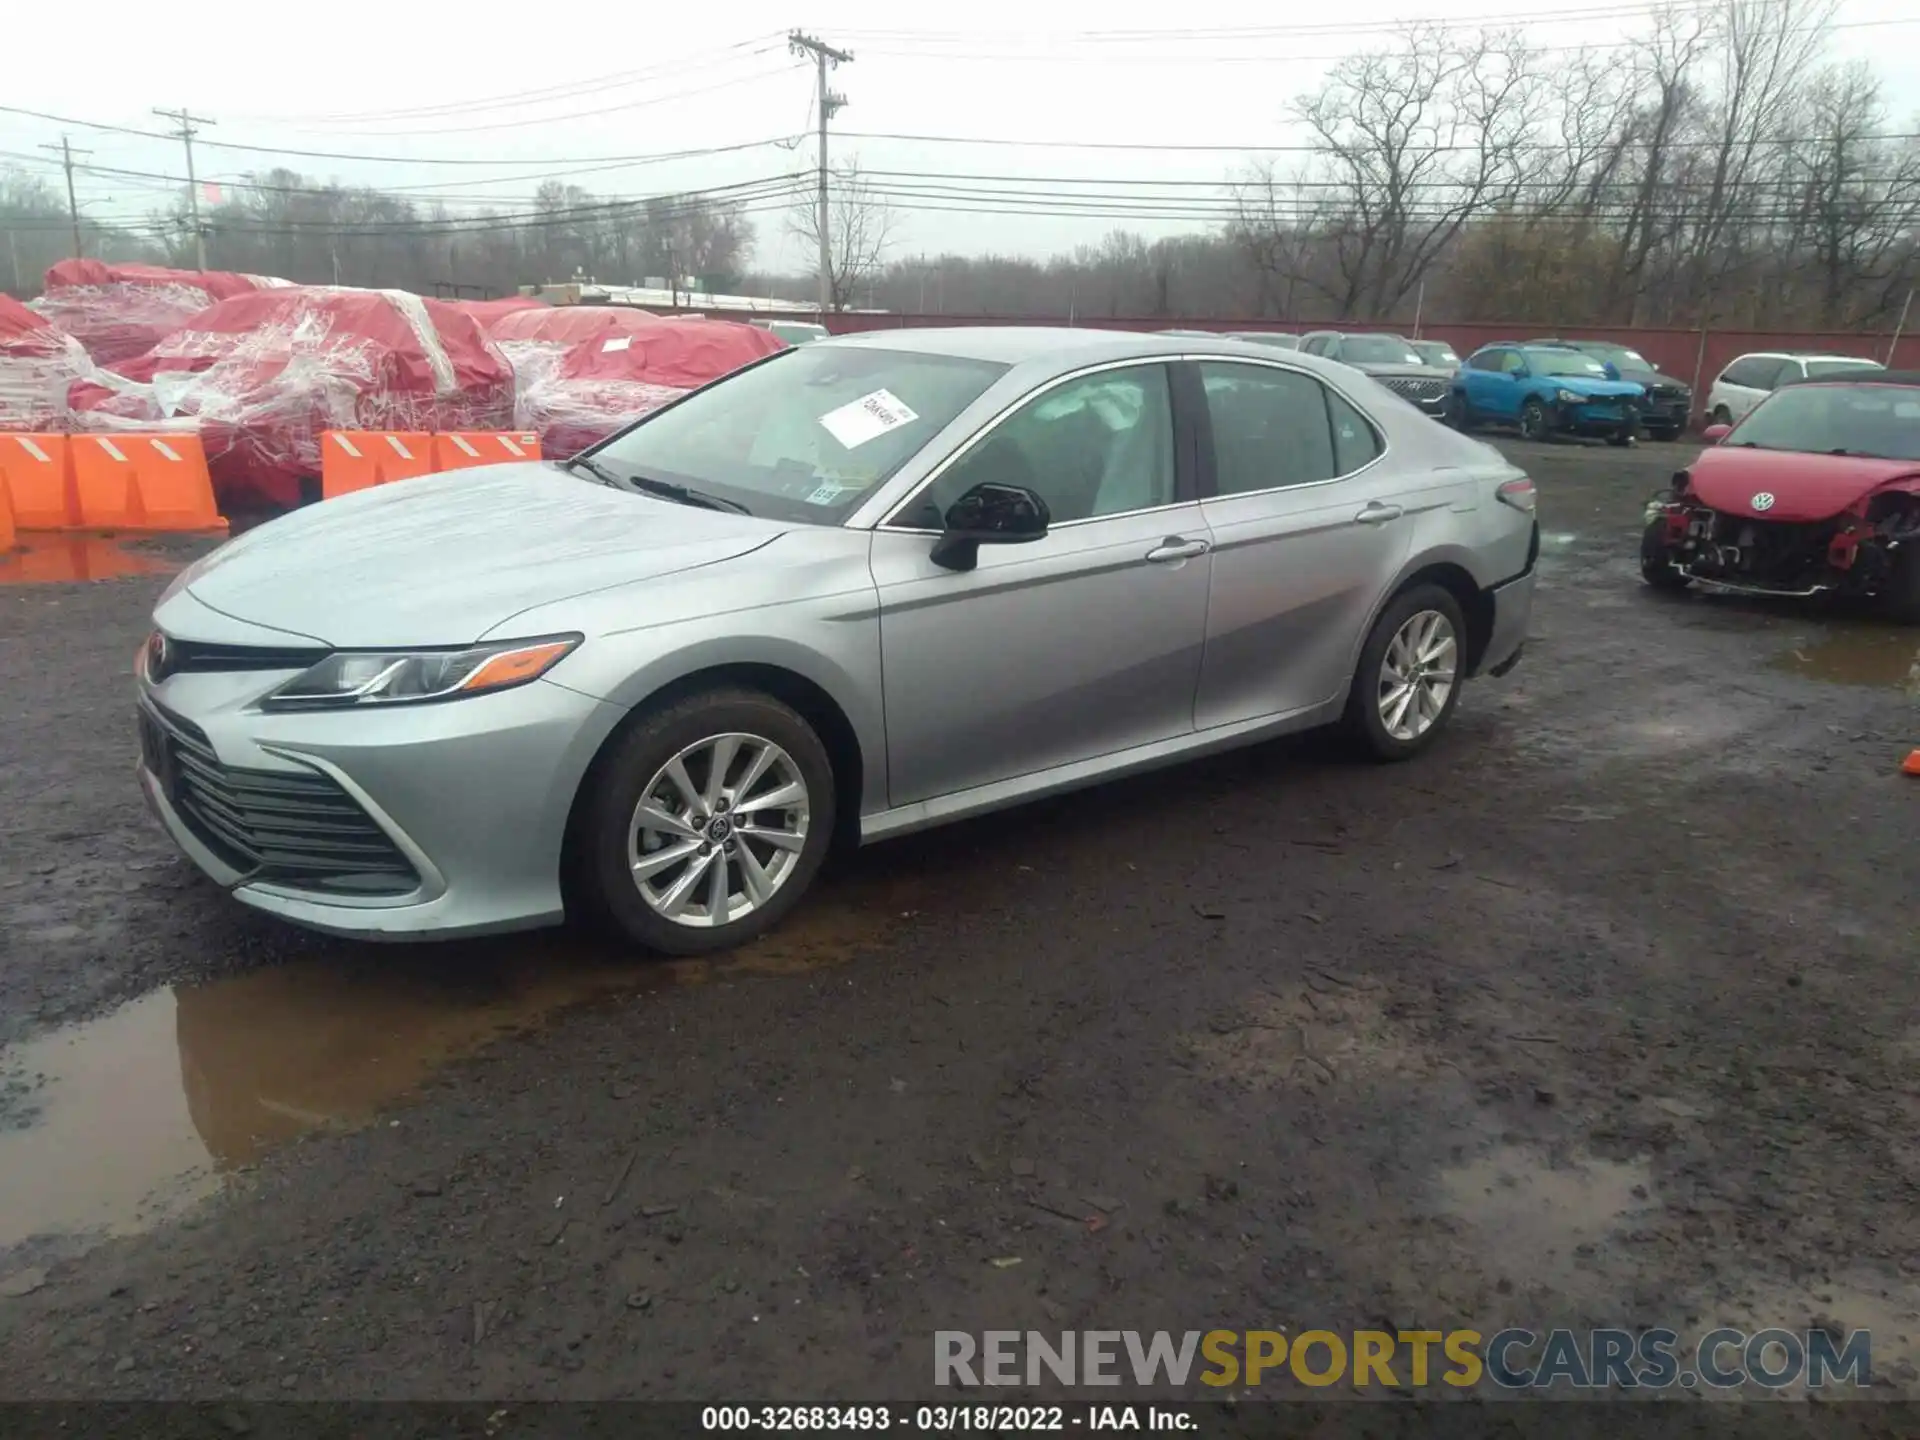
x=1714 y=434
x=1613 y=370
x=989 y=514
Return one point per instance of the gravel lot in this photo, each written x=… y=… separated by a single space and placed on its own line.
x=1603 y=1012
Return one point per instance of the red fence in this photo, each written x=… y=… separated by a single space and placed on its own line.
x=1680 y=353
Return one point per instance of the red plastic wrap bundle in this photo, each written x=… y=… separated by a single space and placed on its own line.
x=38 y=363
x=261 y=376
x=489 y=311
x=118 y=312
x=536 y=340
x=603 y=382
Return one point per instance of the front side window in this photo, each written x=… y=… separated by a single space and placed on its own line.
x=1098 y=445
x=1512 y=361
x=1488 y=360
x=805 y=435
x=1270 y=428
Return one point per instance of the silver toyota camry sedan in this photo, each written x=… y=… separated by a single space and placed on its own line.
x=858 y=588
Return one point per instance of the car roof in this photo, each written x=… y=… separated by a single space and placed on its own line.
x=1065 y=345
x=1868 y=374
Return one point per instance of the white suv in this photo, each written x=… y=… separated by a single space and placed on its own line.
x=1751 y=378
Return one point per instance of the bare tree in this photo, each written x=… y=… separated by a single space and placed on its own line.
x=860 y=227
x=1271 y=228
x=1414 y=143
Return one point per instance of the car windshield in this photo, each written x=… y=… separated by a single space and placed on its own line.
x=796 y=332
x=1831 y=367
x=1378 y=350
x=1623 y=359
x=804 y=435
x=1436 y=353
x=1879 y=420
x=1281 y=342
x=1570 y=363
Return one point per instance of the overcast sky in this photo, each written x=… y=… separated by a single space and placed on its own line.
x=574 y=88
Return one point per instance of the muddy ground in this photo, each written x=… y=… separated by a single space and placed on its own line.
x=1604 y=1012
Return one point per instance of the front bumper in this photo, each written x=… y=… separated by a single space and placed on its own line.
x=1594 y=419
x=474 y=794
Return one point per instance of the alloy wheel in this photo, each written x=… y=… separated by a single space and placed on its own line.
x=1417 y=674
x=718 y=830
x=1533 y=422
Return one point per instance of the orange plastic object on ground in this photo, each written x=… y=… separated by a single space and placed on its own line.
x=143 y=482
x=353 y=460
x=1912 y=765
x=37 y=473
x=460 y=450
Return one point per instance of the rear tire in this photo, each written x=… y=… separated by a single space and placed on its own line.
x=1656 y=560
x=657 y=816
x=1395 y=708
x=1621 y=438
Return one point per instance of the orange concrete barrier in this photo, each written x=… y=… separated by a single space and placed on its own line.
x=460 y=450
x=9 y=532
x=353 y=460
x=143 y=482
x=36 y=471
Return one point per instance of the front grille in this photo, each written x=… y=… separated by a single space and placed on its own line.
x=297 y=829
x=167 y=655
x=1414 y=389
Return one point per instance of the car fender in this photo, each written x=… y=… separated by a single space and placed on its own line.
x=1419 y=559
x=631 y=668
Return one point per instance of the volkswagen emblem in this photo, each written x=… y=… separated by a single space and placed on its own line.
x=1763 y=501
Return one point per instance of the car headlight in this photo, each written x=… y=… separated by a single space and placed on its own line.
x=401 y=677
x=1568 y=397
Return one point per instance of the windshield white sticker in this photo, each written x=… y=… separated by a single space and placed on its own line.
x=618 y=342
x=827 y=493
x=871 y=415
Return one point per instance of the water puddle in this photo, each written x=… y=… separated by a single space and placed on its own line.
x=1536 y=1217
x=70 y=559
x=1885 y=659
x=115 y=1125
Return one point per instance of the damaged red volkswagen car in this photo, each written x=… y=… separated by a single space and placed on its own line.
x=1815 y=492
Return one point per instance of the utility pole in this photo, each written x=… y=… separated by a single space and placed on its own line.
x=185 y=135
x=827 y=104
x=73 y=205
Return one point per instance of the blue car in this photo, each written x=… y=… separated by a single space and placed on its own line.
x=1546 y=390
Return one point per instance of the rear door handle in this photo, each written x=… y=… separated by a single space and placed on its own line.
x=1375 y=513
x=1176 y=547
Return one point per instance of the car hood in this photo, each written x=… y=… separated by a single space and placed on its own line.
x=1651 y=378
x=1400 y=372
x=1803 y=486
x=1594 y=389
x=444 y=559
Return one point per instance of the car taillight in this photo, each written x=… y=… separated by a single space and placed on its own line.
x=1517 y=493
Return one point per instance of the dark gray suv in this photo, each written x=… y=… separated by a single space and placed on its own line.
x=1390 y=360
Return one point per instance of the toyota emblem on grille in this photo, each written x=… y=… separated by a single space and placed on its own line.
x=1763 y=501
x=157 y=656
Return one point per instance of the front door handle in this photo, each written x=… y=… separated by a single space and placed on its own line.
x=1377 y=514
x=1176 y=547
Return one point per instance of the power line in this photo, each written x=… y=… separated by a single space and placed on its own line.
x=1314 y=149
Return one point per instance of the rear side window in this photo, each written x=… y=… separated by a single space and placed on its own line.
x=1355 y=443
x=1270 y=427
x=1755 y=372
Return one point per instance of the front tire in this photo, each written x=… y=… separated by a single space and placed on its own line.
x=1665 y=434
x=1533 y=420
x=1902 y=599
x=1408 y=680
x=1459 y=413
x=1721 y=416
x=708 y=822
x=1656 y=560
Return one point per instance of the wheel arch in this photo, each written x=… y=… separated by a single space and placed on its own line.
x=806 y=695
x=1448 y=570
